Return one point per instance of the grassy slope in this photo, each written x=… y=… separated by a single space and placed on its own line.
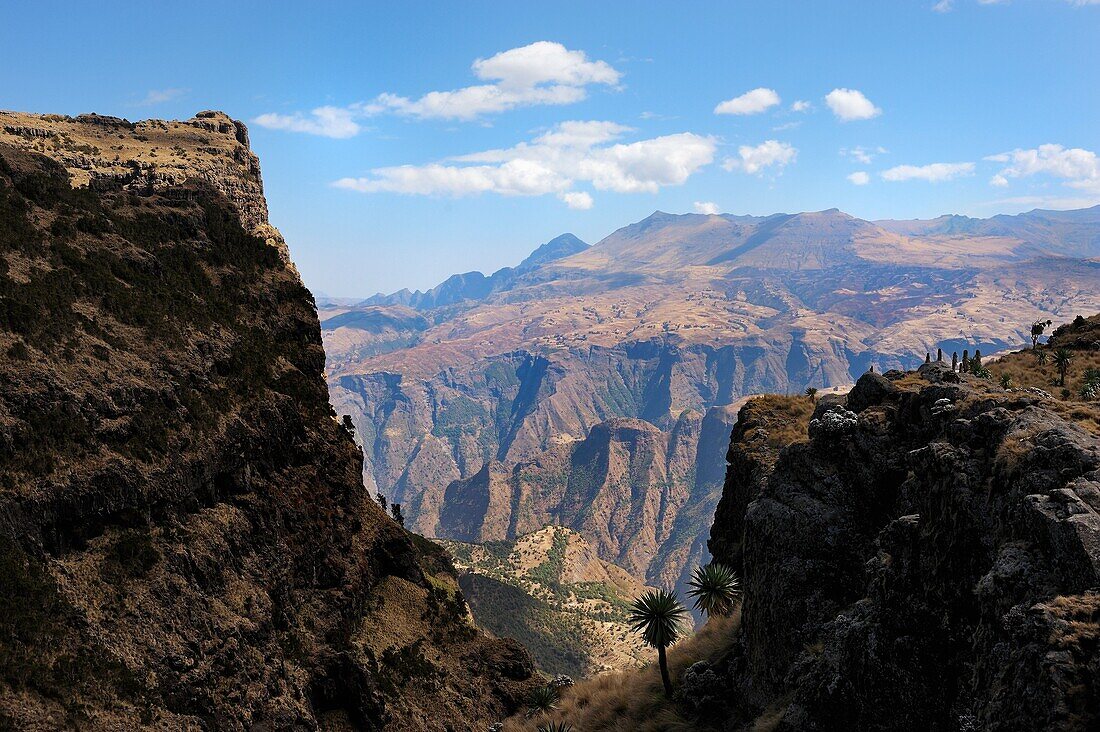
x=1024 y=368
x=633 y=701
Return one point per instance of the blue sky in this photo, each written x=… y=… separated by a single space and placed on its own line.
x=585 y=117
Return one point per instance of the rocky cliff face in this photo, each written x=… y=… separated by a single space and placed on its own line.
x=928 y=557
x=185 y=540
x=636 y=493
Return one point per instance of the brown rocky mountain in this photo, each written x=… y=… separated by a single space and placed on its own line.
x=185 y=539
x=514 y=403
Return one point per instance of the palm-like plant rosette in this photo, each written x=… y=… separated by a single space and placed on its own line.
x=556 y=727
x=542 y=700
x=659 y=616
x=716 y=589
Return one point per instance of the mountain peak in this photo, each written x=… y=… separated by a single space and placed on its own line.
x=557 y=248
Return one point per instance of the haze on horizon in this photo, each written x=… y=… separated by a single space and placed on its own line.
x=391 y=164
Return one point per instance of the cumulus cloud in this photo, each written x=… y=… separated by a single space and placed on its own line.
x=579 y=200
x=851 y=104
x=859 y=178
x=933 y=173
x=801 y=105
x=751 y=102
x=335 y=122
x=542 y=73
x=553 y=163
x=1076 y=167
x=706 y=207
x=753 y=159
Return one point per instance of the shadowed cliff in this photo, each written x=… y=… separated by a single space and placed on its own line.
x=185 y=539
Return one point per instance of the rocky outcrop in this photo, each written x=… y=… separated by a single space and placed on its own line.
x=185 y=539
x=927 y=559
x=153 y=156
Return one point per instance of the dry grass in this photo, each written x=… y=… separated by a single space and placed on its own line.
x=633 y=701
x=1075 y=620
x=1024 y=369
x=784 y=417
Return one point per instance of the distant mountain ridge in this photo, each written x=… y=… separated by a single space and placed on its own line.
x=476 y=418
x=1074 y=233
x=475 y=285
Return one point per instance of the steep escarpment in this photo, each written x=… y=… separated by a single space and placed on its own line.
x=185 y=539
x=928 y=558
x=637 y=494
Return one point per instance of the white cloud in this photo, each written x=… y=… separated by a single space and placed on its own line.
x=862 y=154
x=160 y=96
x=544 y=62
x=334 y=122
x=859 y=178
x=552 y=163
x=579 y=200
x=753 y=159
x=1055 y=202
x=542 y=73
x=1076 y=167
x=472 y=101
x=706 y=207
x=944 y=6
x=801 y=105
x=933 y=173
x=751 y=102
x=850 y=104
x=582 y=134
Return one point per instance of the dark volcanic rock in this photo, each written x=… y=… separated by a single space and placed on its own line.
x=871 y=389
x=934 y=567
x=185 y=539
